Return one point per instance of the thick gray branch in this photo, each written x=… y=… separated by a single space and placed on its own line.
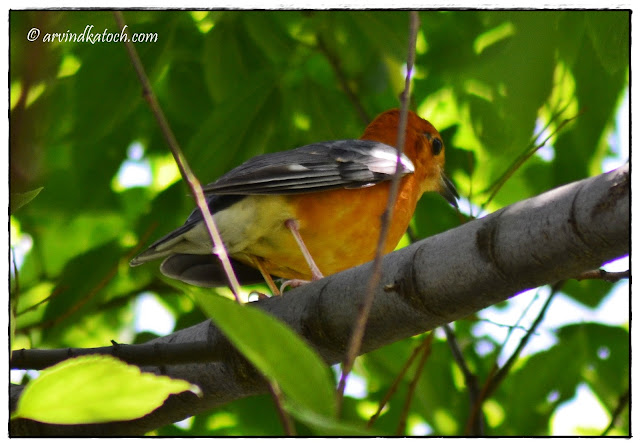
x=554 y=236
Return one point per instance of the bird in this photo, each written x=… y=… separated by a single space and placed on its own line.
x=306 y=213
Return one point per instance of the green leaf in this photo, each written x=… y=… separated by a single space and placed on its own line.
x=230 y=57
x=387 y=31
x=277 y=351
x=325 y=426
x=17 y=200
x=603 y=352
x=81 y=284
x=269 y=32
x=589 y=352
x=95 y=389
x=609 y=32
x=223 y=143
x=588 y=292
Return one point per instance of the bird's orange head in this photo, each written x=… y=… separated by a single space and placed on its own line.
x=423 y=145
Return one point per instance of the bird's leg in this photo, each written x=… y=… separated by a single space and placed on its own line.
x=293 y=226
x=267 y=277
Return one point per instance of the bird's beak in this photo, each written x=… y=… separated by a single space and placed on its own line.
x=448 y=190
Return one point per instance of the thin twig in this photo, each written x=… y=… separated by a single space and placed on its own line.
x=185 y=170
x=457 y=354
x=528 y=153
x=35 y=306
x=470 y=196
x=342 y=78
x=13 y=298
x=394 y=386
x=16 y=282
x=358 y=332
x=604 y=275
x=470 y=379
x=278 y=399
x=497 y=375
x=517 y=324
x=60 y=289
x=426 y=351
x=623 y=401
x=506 y=368
x=104 y=281
x=509 y=326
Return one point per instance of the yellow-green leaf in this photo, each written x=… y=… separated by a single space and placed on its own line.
x=95 y=389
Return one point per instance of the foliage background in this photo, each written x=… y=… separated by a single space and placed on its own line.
x=234 y=84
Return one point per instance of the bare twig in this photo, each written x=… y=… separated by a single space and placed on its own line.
x=426 y=351
x=13 y=298
x=358 y=332
x=506 y=368
x=60 y=289
x=509 y=326
x=497 y=375
x=185 y=170
x=516 y=325
x=342 y=78
x=33 y=307
x=16 y=282
x=471 y=380
x=395 y=384
x=278 y=399
x=623 y=401
x=470 y=196
x=604 y=275
x=528 y=153
x=104 y=281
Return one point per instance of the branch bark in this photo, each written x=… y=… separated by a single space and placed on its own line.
x=551 y=237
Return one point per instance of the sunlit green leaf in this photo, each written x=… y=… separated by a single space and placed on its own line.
x=95 y=389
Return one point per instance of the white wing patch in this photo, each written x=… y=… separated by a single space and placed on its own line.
x=296 y=168
x=387 y=162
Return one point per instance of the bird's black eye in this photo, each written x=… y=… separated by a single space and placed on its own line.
x=436 y=146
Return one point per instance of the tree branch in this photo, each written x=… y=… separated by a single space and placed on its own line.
x=140 y=355
x=545 y=239
x=609 y=276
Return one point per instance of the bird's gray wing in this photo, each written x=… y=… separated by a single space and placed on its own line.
x=349 y=164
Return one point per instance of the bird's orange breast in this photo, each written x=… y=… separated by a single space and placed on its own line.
x=340 y=228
